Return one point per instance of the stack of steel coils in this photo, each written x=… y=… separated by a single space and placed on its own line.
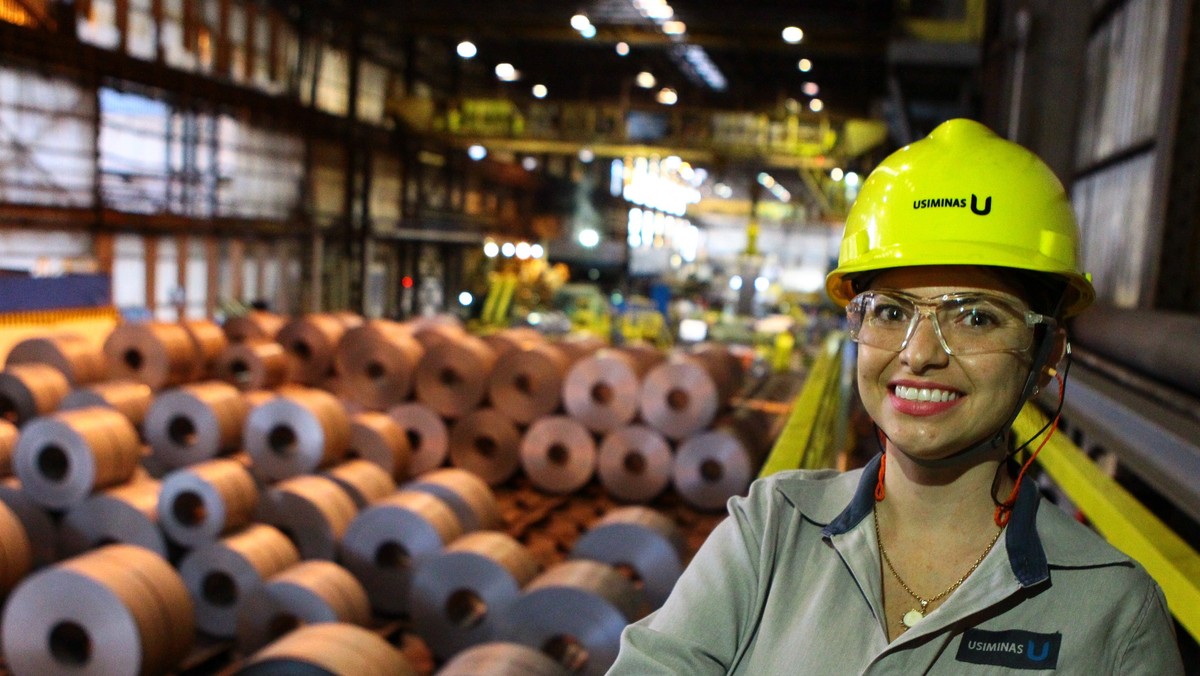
x=286 y=475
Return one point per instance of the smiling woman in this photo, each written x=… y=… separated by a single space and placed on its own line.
x=937 y=556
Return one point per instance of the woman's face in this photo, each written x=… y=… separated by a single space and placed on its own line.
x=983 y=388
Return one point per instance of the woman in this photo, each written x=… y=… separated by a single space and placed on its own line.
x=956 y=269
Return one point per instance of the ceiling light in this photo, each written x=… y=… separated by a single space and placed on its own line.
x=589 y=237
x=588 y=32
x=536 y=251
x=646 y=80
x=586 y=155
x=529 y=163
x=667 y=96
x=466 y=49
x=622 y=49
x=674 y=27
x=811 y=89
x=805 y=65
x=579 y=22
x=465 y=298
x=851 y=178
x=660 y=12
x=540 y=91
x=506 y=72
x=491 y=249
x=816 y=105
x=792 y=35
x=523 y=250
x=508 y=249
x=477 y=152
x=836 y=174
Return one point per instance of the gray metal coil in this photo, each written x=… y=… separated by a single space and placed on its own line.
x=195 y=422
x=468 y=496
x=309 y=592
x=311 y=510
x=458 y=593
x=223 y=575
x=64 y=457
x=119 y=609
x=200 y=503
x=386 y=540
x=127 y=514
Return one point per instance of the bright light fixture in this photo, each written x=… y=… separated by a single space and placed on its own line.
x=792 y=35
x=667 y=96
x=589 y=237
x=762 y=284
x=477 y=152
x=491 y=249
x=506 y=72
x=622 y=49
x=851 y=178
x=588 y=32
x=805 y=65
x=816 y=105
x=579 y=22
x=540 y=91
x=466 y=49
x=645 y=79
x=811 y=89
x=586 y=155
x=465 y=298
x=674 y=27
x=523 y=250
x=529 y=163
x=508 y=249
x=537 y=251
x=836 y=174
x=735 y=282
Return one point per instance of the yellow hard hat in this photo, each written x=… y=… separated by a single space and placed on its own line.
x=962 y=196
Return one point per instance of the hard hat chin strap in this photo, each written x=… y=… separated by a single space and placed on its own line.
x=972 y=453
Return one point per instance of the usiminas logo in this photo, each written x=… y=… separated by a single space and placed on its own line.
x=1015 y=649
x=957 y=203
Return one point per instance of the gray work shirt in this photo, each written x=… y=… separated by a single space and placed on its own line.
x=790 y=584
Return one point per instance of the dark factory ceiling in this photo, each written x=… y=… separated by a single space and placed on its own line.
x=847 y=42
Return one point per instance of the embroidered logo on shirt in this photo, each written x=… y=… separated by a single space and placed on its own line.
x=1014 y=648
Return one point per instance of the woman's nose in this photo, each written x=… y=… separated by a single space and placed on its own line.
x=924 y=348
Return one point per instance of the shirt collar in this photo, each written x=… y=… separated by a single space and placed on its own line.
x=1025 y=554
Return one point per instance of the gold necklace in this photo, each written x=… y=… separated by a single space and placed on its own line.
x=912 y=617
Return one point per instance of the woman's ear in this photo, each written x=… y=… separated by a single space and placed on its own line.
x=1057 y=352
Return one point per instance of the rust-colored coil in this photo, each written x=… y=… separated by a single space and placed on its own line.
x=31 y=390
x=80 y=359
x=159 y=354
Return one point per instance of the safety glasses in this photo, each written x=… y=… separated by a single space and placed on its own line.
x=973 y=322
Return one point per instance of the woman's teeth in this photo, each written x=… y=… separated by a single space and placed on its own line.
x=924 y=394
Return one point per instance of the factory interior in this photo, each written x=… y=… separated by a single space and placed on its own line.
x=434 y=337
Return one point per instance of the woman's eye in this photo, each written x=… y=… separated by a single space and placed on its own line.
x=889 y=312
x=978 y=318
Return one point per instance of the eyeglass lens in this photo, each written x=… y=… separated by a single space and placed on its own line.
x=966 y=323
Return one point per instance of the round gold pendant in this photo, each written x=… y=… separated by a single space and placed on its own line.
x=912 y=617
